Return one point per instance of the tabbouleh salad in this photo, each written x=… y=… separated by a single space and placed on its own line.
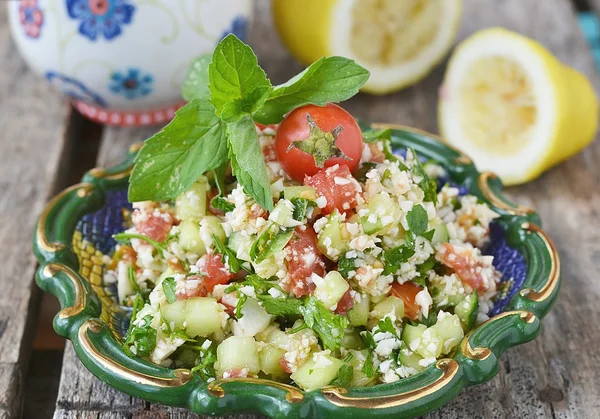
x=326 y=260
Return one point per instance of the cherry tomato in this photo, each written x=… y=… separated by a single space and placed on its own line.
x=464 y=266
x=153 y=225
x=407 y=292
x=337 y=186
x=303 y=259
x=214 y=271
x=345 y=303
x=295 y=127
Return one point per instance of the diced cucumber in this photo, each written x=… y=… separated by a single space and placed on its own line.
x=191 y=205
x=174 y=313
x=359 y=378
x=331 y=288
x=390 y=304
x=265 y=334
x=358 y=315
x=409 y=358
x=189 y=237
x=411 y=335
x=450 y=332
x=213 y=225
x=306 y=192
x=318 y=373
x=332 y=240
x=283 y=214
x=254 y=319
x=440 y=234
x=269 y=358
x=236 y=353
x=352 y=339
x=235 y=240
x=448 y=291
x=466 y=311
x=383 y=213
x=202 y=316
x=430 y=344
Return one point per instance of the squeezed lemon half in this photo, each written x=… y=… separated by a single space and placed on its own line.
x=398 y=41
x=513 y=107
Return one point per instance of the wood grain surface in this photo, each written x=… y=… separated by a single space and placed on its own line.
x=33 y=145
x=558 y=374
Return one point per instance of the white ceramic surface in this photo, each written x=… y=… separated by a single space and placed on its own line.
x=122 y=55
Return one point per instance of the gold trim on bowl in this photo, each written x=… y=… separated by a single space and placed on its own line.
x=294 y=395
x=553 y=278
x=490 y=195
x=52 y=269
x=41 y=238
x=182 y=376
x=100 y=173
x=479 y=353
x=338 y=395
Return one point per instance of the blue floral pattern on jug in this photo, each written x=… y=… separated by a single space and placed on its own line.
x=73 y=88
x=31 y=17
x=132 y=83
x=239 y=27
x=101 y=17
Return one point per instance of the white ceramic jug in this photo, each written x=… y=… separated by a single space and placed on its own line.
x=122 y=61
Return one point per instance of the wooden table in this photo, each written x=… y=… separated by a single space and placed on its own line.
x=43 y=144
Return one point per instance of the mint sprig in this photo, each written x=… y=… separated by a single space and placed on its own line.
x=228 y=93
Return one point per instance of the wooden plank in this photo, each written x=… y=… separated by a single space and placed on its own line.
x=34 y=121
x=554 y=376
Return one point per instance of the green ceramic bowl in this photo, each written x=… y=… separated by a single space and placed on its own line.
x=74 y=232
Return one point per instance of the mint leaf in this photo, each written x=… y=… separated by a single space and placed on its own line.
x=171 y=160
x=168 y=285
x=428 y=185
x=386 y=325
x=280 y=307
x=219 y=201
x=248 y=162
x=368 y=368
x=238 y=85
x=417 y=220
x=346 y=265
x=344 y=376
x=332 y=79
x=271 y=241
x=230 y=259
x=377 y=135
x=195 y=85
x=395 y=257
x=327 y=325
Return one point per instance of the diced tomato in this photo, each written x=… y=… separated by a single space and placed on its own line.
x=256 y=211
x=176 y=265
x=125 y=253
x=285 y=366
x=303 y=259
x=228 y=308
x=337 y=186
x=461 y=262
x=377 y=156
x=214 y=271
x=407 y=292
x=195 y=287
x=235 y=373
x=345 y=303
x=269 y=152
x=155 y=226
x=262 y=127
